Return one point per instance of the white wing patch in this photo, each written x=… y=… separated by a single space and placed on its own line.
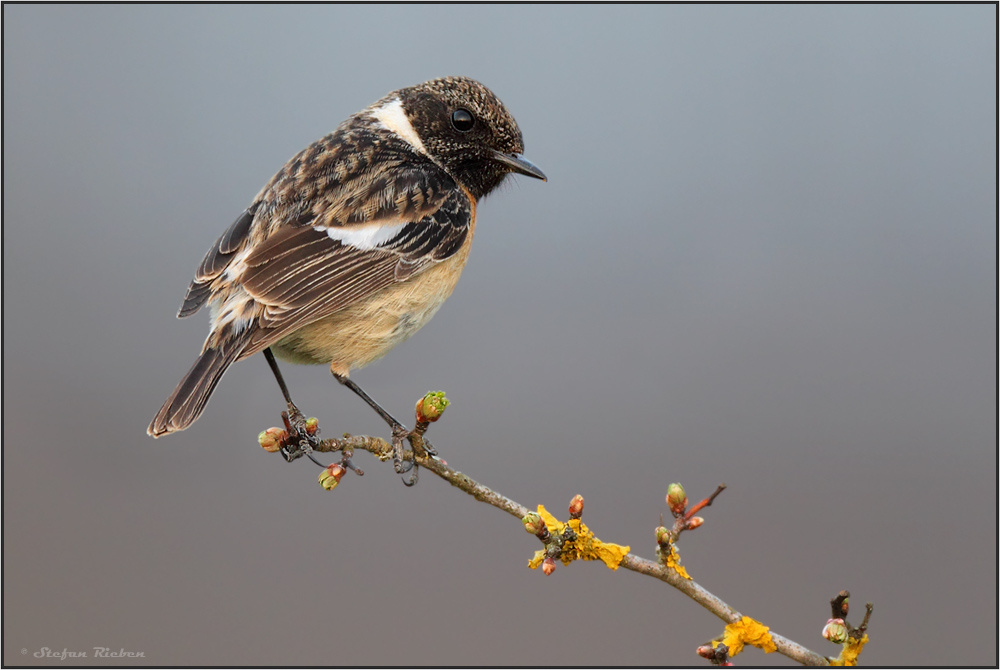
x=393 y=118
x=368 y=237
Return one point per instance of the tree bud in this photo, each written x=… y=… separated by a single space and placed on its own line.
x=431 y=406
x=331 y=476
x=835 y=631
x=272 y=439
x=533 y=523
x=576 y=507
x=676 y=499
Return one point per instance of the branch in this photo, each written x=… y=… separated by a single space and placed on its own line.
x=666 y=570
x=689 y=587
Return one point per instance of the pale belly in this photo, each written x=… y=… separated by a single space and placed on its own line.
x=365 y=331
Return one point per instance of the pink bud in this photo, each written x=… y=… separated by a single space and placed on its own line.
x=576 y=507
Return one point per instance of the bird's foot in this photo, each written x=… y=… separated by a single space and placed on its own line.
x=426 y=444
x=400 y=433
x=303 y=434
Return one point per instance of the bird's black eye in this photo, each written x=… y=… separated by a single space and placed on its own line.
x=462 y=120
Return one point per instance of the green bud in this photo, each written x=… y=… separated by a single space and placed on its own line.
x=533 y=523
x=676 y=499
x=835 y=631
x=431 y=406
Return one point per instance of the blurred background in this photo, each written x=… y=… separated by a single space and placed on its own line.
x=766 y=256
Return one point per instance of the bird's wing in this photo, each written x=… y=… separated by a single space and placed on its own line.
x=304 y=272
x=347 y=216
x=357 y=184
x=218 y=258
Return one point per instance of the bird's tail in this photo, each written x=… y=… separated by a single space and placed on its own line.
x=188 y=400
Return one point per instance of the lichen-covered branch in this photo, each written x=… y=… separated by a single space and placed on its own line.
x=573 y=540
x=383 y=450
x=689 y=587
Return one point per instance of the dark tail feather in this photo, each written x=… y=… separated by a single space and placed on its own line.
x=188 y=400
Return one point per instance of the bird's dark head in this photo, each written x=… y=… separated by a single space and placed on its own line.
x=461 y=125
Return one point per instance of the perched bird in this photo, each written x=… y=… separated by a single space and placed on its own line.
x=355 y=243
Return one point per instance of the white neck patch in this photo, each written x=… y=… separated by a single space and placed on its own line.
x=392 y=117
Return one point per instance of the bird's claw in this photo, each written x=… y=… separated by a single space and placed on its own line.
x=431 y=451
x=400 y=464
x=295 y=424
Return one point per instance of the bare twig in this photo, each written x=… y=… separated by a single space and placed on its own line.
x=839 y=605
x=704 y=503
x=863 y=628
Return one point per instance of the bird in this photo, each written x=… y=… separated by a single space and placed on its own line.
x=354 y=244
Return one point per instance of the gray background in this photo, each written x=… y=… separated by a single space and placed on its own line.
x=766 y=256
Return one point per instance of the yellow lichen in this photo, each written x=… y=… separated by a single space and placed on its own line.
x=586 y=546
x=553 y=524
x=747 y=631
x=851 y=651
x=674 y=562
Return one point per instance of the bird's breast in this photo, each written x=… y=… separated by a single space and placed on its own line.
x=366 y=330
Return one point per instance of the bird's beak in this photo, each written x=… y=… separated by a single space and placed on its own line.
x=519 y=164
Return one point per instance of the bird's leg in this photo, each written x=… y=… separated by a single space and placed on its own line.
x=388 y=418
x=399 y=431
x=295 y=422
